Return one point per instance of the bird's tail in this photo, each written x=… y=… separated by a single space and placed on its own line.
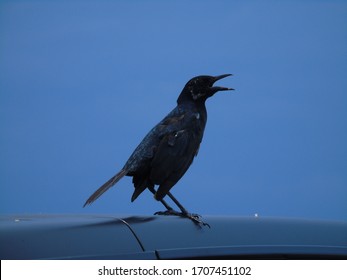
x=105 y=187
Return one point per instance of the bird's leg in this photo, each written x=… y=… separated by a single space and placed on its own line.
x=196 y=218
x=179 y=205
x=169 y=211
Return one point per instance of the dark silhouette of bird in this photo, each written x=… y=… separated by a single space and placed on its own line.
x=167 y=151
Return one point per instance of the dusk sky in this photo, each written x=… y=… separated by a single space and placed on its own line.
x=82 y=82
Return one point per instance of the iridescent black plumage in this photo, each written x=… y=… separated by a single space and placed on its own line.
x=167 y=151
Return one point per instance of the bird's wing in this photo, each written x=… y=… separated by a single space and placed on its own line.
x=147 y=148
x=175 y=152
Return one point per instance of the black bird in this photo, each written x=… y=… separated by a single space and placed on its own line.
x=168 y=150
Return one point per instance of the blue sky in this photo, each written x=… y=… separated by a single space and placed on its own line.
x=82 y=82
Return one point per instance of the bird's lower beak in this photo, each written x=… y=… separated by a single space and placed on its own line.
x=216 y=78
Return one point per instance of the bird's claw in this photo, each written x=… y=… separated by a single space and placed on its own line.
x=196 y=218
x=170 y=212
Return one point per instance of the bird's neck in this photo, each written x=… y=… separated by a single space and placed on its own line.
x=196 y=106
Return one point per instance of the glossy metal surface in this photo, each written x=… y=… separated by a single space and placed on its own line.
x=151 y=237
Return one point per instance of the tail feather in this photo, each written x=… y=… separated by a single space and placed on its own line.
x=105 y=187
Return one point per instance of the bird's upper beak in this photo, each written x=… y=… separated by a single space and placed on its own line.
x=217 y=88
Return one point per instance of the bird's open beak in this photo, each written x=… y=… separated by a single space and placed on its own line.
x=217 y=88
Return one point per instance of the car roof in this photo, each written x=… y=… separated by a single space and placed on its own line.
x=167 y=237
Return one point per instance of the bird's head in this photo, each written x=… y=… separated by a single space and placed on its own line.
x=201 y=87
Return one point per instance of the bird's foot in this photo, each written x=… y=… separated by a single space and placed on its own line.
x=196 y=218
x=169 y=212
